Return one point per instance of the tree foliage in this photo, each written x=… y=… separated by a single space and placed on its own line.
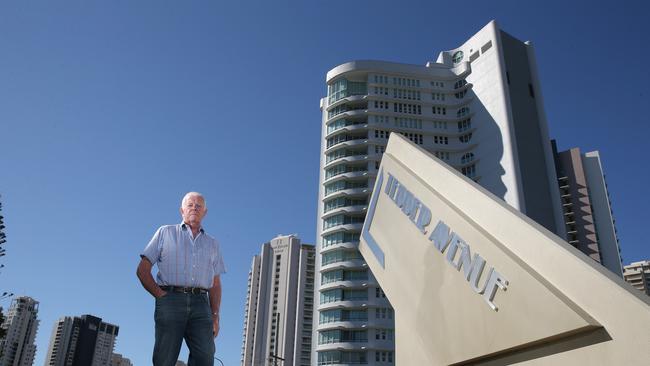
x=3 y=331
x=3 y=239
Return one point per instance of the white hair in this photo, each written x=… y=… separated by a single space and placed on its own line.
x=193 y=194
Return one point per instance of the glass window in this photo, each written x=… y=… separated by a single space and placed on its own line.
x=465 y=138
x=343 y=88
x=457 y=57
x=467 y=157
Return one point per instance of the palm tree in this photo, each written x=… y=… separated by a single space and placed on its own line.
x=3 y=239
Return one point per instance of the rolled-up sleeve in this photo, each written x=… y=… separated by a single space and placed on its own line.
x=154 y=248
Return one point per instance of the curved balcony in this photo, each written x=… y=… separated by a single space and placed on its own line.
x=342 y=346
x=343 y=245
x=349 y=284
x=349 y=175
x=343 y=227
x=346 y=144
x=460 y=102
x=458 y=164
x=350 y=192
x=344 y=324
x=345 y=209
x=346 y=159
x=349 y=114
x=352 y=99
x=343 y=304
x=464 y=87
x=349 y=128
x=346 y=264
x=458 y=133
x=361 y=118
x=369 y=363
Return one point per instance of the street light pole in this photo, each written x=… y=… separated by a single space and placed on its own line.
x=275 y=356
x=275 y=359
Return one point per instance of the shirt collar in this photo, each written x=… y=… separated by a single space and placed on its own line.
x=184 y=227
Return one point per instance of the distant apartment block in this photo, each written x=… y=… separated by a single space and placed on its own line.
x=638 y=275
x=81 y=341
x=21 y=323
x=119 y=360
x=588 y=217
x=279 y=308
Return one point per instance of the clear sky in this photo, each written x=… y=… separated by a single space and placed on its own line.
x=111 y=110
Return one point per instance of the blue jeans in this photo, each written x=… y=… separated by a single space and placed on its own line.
x=181 y=316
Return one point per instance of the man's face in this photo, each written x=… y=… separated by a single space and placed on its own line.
x=193 y=210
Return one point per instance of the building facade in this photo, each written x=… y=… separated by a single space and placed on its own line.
x=21 y=324
x=478 y=108
x=81 y=341
x=588 y=218
x=638 y=275
x=119 y=360
x=278 y=319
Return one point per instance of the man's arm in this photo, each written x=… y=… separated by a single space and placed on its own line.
x=215 y=303
x=145 y=277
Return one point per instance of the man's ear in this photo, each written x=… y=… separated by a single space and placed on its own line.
x=180 y=209
x=206 y=213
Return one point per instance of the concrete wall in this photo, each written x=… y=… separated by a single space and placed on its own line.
x=549 y=303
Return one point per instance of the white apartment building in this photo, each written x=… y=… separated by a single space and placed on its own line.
x=637 y=274
x=478 y=108
x=18 y=347
x=279 y=306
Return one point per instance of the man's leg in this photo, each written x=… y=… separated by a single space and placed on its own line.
x=171 y=318
x=198 y=334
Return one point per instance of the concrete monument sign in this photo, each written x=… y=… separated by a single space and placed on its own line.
x=474 y=281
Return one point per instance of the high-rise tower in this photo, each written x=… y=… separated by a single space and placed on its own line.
x=18 y=347
x=478 y=108
x=279 y=304
x=588 y=216
x=85 y=340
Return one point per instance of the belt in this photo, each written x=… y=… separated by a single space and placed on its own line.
x=185 y=290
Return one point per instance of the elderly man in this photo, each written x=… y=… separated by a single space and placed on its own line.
x=189 y=265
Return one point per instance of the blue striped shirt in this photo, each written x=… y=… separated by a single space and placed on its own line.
x=182 y=259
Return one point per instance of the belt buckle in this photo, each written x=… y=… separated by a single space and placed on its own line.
x=196 y=291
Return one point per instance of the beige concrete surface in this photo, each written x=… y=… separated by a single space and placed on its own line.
x=559 y=307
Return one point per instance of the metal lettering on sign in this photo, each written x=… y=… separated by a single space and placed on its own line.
x=442 y=238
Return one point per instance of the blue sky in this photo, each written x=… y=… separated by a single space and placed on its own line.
x=111 y=111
